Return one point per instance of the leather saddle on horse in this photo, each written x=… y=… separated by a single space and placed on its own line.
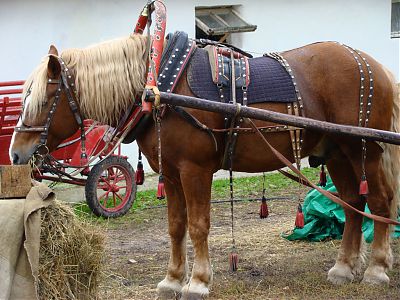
x=265 y=79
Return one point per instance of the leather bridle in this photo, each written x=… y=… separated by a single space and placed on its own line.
x=66 y=83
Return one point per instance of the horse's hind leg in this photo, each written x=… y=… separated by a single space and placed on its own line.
x=350 y=257
x=379 y=202
x=196 y=183
x=177 y=273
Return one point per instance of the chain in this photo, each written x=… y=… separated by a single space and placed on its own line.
x=231 y=194
x=263 y=190
x=158 y=130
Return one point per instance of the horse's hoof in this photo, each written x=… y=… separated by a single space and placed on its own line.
x=375 y=275
x=169 y=289
x=340 y=274
x=195 y=291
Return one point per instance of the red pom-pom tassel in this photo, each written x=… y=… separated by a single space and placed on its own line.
x=364 y=187
x=161 y=188
x=299 y=222
x=264 y=208
x=233 y=261
x=139 y=174
x=322 y=177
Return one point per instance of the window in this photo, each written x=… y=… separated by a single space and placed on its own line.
x=395 y=18
x=217 y=22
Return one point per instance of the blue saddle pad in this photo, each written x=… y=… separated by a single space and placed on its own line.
x=269 y=81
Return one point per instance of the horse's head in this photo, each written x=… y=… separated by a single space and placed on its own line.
x=46 y=119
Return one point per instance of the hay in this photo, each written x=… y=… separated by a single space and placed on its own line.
x=71 y=255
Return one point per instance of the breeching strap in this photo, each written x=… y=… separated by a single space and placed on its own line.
x=327 y=194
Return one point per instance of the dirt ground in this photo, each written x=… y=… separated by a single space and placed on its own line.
x=270 y=267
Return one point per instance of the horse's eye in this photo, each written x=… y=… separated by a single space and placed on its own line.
x=44 y=103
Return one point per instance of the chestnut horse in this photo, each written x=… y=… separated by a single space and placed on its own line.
x=109 y=75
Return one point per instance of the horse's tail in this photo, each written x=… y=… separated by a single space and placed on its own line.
x=391 y=154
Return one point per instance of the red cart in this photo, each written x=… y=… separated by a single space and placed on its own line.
x=110 y=187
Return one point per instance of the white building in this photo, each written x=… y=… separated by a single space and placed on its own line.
x=29 y=27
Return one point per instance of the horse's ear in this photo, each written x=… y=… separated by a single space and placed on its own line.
x=53 y=68
x=53 y=50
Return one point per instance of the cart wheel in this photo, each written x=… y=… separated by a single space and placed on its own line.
x=110 y=189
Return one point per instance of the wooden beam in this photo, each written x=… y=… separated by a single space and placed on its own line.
x=280 y=118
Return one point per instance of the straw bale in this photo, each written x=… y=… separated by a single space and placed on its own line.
x=71 y=255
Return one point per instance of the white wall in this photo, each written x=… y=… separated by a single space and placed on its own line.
x=29 y=27
x=362 y=24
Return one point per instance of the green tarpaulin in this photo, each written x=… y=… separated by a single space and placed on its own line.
x=325 y=219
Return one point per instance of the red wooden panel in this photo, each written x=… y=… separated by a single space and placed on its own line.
x=12 y=83
x=4 y=145
x=11 y=92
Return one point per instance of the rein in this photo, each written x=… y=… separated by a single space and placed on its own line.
x=327 y=194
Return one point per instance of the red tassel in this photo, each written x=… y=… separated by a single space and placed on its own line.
x=322 y=177
x=264 y=208
x=139 y=174
x=364 y=187
x=161 y=188
x=233 y=261
x=299 y=223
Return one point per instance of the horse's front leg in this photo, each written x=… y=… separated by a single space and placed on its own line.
x=196 y=183
x=177 y=274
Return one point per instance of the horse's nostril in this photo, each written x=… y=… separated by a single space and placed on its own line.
x=15 y=158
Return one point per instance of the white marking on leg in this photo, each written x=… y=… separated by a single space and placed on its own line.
x=167 y=289
x=340 y=273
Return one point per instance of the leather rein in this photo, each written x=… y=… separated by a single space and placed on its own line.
x=66 y=83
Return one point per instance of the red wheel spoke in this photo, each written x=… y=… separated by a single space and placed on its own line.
x=104 y=195
x=105 y=200
x=110 y=171
x=107 y=183
x=119 y=179
x=114 y=200
x=117 y=176
x=120 y=198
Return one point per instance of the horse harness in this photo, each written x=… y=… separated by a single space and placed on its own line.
x=234 y=77
x=67 y=83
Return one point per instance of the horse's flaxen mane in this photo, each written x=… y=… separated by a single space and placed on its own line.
x=108 y=77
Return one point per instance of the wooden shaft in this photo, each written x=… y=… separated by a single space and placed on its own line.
x=280 y=118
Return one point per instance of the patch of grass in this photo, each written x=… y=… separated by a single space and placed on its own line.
x=252 y=186
x=244 y=187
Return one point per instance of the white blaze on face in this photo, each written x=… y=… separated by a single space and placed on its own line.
x=18 y=124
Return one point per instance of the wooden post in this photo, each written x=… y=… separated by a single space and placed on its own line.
x=280 y=118
x=15 y=181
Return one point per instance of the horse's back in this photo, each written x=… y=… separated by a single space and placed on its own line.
x=329 y=80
